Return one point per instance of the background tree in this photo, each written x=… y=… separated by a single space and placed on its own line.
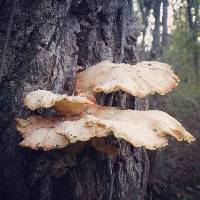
x=165 y=23
x=41 y=45
x=155 y=51
x=174 y=171
x=145 y=9
x=154 y=14
x=193 y=14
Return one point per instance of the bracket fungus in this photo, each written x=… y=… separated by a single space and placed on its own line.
x=64 y=103
x=38 y=132
x=83 y=120
x=147 y=77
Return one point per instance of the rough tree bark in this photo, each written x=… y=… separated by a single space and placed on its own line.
x=41 y=45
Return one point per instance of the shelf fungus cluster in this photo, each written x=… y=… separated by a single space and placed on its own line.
x=82 y=119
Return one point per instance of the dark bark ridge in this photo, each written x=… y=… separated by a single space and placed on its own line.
x=41 y=45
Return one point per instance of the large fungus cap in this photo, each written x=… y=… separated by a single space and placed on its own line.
x=139 y=128
x=158 y=121
x=138 y=80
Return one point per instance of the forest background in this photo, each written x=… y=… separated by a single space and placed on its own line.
x=171 y=34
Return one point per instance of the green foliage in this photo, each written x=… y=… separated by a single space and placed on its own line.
x=183 y=101
x=180 y=53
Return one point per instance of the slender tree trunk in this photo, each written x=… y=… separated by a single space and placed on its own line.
x=145 y=12
x=189 y=13
x=164 y=23
x=194 y=28
x=41 y=45
x=156 y=32
x=195 y=38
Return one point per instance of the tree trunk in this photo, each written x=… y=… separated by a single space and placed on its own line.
x=194 y=22
x=164 y=23
x=41 y=45
x=145 y=12
x=155 y=51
